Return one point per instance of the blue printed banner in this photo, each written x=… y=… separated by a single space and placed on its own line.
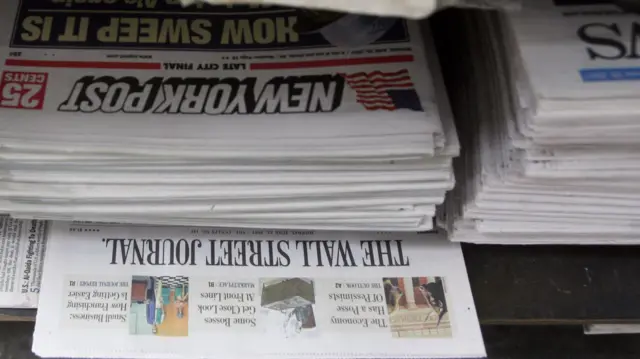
x=610 y=74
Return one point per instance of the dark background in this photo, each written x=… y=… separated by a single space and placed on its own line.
x=503 y=342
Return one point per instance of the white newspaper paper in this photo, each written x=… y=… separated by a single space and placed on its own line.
x=22 y=249
x=186 y=292
x=220 y=82
x=406 y=8
x=592 y=46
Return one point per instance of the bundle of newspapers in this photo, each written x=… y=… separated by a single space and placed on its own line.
x=226 y=116
x=548 y=116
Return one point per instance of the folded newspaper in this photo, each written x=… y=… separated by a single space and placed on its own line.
x=116 y=291
x=405 y=8
x=149 y=112
x=554 y=105
x=22 y=247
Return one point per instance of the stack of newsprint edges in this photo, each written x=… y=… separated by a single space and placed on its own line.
x=548 y=111
x=113 y=291
x=228 y=116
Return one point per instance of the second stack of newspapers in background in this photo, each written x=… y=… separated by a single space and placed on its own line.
x=228 y=116
x=548 y=109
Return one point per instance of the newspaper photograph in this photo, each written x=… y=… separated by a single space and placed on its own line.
x=22 y=247
x=291 y=293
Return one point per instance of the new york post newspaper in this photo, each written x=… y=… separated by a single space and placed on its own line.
x=102 y=69
x=186 y=292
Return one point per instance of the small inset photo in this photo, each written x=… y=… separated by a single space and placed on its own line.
x=417 y=307
x=288 y=306
x=159 y=306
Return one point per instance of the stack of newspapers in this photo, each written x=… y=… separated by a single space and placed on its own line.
x=548 y=106
x=229 y=116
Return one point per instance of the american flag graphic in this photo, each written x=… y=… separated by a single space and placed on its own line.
x=384 y=90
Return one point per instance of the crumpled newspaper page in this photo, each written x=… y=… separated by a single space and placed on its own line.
x=413 y=9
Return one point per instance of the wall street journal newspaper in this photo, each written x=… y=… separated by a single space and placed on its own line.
x=22 y=249
x=289 y=293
